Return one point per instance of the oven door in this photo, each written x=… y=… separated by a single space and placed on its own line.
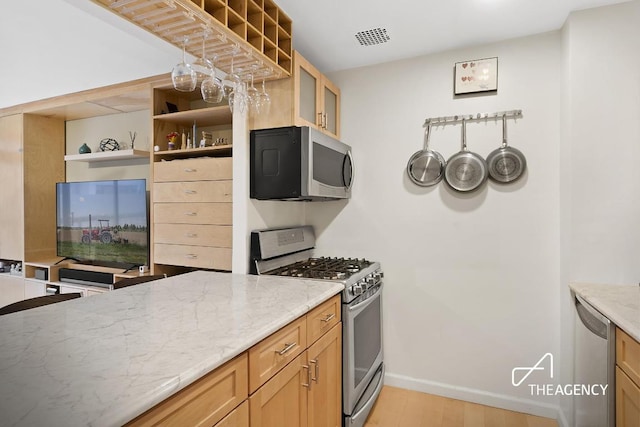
x=362 y=346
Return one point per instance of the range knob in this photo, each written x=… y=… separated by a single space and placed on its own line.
x=378 y=275
x=371 y=280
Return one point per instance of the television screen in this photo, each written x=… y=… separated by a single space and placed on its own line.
x=103 y=222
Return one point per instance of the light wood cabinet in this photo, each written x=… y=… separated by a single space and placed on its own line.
x=325 y=393
x=317 y=99
x=308 y=390
x=627 y=380
x=191 y=191
x=307 y=98
x=31 y=162
x=205 y=402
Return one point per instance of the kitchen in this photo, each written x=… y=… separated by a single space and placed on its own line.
x=481 y=278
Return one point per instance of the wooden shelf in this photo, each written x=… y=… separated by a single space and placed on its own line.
x=216 y=151
x=210 y=116
x=104 y=156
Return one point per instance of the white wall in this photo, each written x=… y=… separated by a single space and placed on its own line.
x=115 y=126
x=471 y=280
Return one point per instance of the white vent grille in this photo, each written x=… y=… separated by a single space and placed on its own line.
x=373 y=36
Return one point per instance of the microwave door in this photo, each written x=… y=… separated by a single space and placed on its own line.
x=330 y=172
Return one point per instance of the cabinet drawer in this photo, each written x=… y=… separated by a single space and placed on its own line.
x=196 y=191
x=193 y=213
x=205 y=402
x=238 y=418
x=189 y=234
x=192 y=256
x=628 y=355
x=199 y=169
x=321 y=319
x=274 y=352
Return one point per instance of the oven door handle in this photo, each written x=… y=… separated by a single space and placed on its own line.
x=367 y=301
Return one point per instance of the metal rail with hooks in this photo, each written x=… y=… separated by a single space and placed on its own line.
x=452 y=120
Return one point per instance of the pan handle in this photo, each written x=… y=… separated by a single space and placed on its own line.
x=427 y=134
x=464 y=134
x=504 y=131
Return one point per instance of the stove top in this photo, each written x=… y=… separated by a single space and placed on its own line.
x=323 y=268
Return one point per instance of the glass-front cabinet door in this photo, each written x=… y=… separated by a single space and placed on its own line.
x=317 y=100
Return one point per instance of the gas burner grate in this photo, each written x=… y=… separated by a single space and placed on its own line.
x=323 y=268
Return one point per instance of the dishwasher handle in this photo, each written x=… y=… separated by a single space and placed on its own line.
x=592 y=319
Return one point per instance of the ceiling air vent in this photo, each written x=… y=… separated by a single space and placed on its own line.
x=373 y=36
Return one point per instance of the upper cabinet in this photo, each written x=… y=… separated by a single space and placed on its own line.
x=307 y=98
x=317 y=99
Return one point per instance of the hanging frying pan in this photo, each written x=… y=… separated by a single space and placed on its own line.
x=465 y=171
x=426 y=167
x=506 y=164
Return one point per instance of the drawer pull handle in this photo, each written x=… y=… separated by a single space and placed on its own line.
x=191 y=235
x=190 y=192
x=316 y=370
x=308 y=383
x=286 y=348
x=191 y=256
x=190 y=213
x=190 y=170
x=328 y=317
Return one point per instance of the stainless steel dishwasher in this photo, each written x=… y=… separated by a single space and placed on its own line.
x=594 y=363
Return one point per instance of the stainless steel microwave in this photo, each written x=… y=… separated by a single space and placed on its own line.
x=299 y=163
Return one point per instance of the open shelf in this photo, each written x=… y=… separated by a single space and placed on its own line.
x=104 y=156
x=215 y=151
x=204 y=116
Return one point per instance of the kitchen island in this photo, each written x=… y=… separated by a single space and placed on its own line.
x=105 y=359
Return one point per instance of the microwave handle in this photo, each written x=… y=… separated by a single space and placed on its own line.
x=353 y=171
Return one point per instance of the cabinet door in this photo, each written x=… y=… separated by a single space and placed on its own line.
x=307 y=106
x=627 y=401
x=325 y=393
x=330 y=108
x=34 y=288
x=11 y=289
x=282 y=401
x=12 y=214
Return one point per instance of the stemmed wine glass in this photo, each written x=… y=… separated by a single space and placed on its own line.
x=253 y=95
x=211 y=88
x=232 y=79
x=264 y=103
x=183 y=76
x=202 y=66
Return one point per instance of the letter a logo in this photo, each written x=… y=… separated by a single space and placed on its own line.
x=527 y=370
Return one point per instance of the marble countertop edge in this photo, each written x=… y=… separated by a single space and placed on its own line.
x=620 y=303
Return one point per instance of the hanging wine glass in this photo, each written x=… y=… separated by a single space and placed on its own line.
x=265 y=100
x=232 y=79
x=202 y=66
x=253 y=95
x=211 y=88
x=183 y=77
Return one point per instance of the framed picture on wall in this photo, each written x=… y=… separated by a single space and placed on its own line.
x=478 y=75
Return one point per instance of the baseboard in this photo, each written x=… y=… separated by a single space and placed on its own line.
x=478 y=396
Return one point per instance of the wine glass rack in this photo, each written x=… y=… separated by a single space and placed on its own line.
x=255 y=33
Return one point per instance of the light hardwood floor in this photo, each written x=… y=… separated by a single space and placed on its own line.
x=398 y=407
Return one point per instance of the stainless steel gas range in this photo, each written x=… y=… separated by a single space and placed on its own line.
x=289 y=252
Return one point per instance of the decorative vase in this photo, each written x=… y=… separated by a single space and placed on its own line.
x=84 y=149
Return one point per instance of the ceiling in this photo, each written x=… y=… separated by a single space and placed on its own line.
x=324 y=31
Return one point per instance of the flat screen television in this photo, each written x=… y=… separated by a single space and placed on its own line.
x=103 y=222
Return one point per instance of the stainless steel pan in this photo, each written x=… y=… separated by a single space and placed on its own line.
x=465 y=171
x=426 y=167
x=506 y=164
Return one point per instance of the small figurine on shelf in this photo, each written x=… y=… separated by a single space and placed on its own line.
x=172 y=137
x=84 y=149
x=184 y=141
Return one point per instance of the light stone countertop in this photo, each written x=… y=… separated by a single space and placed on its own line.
x=103 y=360
x=619 y=303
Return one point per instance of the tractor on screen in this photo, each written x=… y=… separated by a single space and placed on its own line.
x=102 y=233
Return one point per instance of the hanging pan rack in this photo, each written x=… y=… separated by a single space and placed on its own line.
x=452 y=120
